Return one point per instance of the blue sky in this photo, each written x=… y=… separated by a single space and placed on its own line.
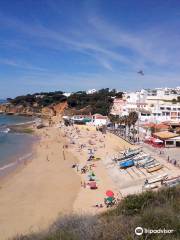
x=71 y=45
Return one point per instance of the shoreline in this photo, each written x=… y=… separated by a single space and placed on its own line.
x=33 y=196
x=11 y=164
x=48 y=186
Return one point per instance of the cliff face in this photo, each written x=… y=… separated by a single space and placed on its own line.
x=2 y=108
x=50 y=111
x=11 y=109
x=60 y=108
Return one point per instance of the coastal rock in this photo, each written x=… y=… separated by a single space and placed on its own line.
x=59 y=108
x=49 y=111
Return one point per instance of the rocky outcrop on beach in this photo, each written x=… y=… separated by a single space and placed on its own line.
x=60 y=108
x=49 y=111
x=54 y=110
x=2 y=108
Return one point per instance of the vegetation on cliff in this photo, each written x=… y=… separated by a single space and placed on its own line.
x=150 y=210
x=99 y=102
x=39 y=99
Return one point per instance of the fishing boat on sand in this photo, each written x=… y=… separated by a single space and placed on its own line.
x=153 y=168
x=126 y=164
x=171 y=182
x=130 y=153
x=158 y=178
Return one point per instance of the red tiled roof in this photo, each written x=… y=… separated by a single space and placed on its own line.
x=148 y=125
x=161 y=126
x=156 y=126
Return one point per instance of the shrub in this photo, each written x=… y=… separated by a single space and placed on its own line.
x=151 y=210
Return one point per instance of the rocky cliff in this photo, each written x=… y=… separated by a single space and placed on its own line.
x=49 y=111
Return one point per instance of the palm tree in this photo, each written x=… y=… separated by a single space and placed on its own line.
x=133 y=117
x=126 y=122
x=114 y=119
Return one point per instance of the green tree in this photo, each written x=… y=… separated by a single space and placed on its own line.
x=174 y=101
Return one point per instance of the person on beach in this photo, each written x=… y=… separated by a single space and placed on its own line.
x=77 y=167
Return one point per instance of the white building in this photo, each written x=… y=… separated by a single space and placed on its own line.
x=67 y=94
x=161 y=96
x=161 y=113
x=134 y=101
x=117 y=107
x=91 y=91
x=99 y=120
x=153 y=105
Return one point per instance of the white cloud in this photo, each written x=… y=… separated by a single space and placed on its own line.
x=20 y=64
x=117 y=49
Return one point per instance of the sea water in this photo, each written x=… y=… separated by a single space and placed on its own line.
x=14 y=147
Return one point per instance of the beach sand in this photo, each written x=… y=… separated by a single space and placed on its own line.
x=33 y=197
x=105 y=145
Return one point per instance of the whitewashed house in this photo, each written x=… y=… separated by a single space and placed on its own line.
x=91 y=91
x=99 y=120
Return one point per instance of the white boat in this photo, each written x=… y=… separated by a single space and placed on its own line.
x=141 y=160
x=157 y=178
x=147 y=163
x=149 y=186
x=153 y=165
x=172 y=180
x=130 y=151
x=131 y=156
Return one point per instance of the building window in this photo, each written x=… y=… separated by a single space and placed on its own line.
x=169 y=142
x=168 y=108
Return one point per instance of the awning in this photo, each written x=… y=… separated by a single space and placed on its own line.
x=156 y=140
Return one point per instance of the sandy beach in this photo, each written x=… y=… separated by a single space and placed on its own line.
x=52 y=184
x=34 y=196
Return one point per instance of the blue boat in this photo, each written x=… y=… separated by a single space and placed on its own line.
x=126 y=164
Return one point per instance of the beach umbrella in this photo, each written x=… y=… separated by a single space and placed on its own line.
x=158 y=140
x=109 y=193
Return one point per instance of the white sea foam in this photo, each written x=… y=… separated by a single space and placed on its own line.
x=4 y=129
x=19 y=160
x=8 y=166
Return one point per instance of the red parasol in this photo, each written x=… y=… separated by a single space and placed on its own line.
x=109 y=193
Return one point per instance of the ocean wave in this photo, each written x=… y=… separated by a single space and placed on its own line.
x=18 y=161
x=8 y=166
x=4 y=129
x=23 y=123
